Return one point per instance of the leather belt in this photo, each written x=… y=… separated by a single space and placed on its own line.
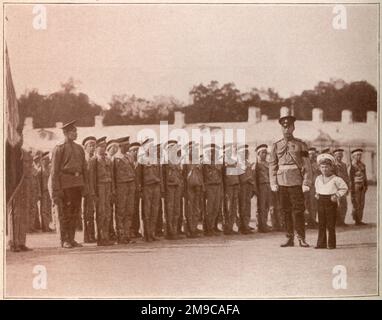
x=287 y=166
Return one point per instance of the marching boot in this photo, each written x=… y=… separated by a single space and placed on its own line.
x=288 y=243
x=303 y=243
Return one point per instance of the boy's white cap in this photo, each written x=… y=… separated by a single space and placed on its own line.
x=325 y=156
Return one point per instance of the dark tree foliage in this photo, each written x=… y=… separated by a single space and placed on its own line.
x=131 y=110
x=213 y=103
x=61 y=106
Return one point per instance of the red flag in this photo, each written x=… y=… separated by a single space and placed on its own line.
x=12 y=110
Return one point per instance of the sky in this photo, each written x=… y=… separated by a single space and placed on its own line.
x=151 y=50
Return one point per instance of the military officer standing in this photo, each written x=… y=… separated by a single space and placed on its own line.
x=291 y=174
x=213 y=181
x=101 y=189
x=89 y=144
x=248 y=189
x=69 y=180
x=358 y=185
x=342 y=172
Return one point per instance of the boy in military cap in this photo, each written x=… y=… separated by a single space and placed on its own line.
x=69 y=178
x=101 y=188
x=194 y=188
x=341 y=171
x=329 y=189
x=89 y=144
x=248 y=188
x=112 y=147
x=264 y=199
x=173 y=184
x=151 y=186
x=358 y=185
x=291 y=174
x=124 y=176
x=159 y=228
x=213 y=182
x=231 y=188
x=135 y=221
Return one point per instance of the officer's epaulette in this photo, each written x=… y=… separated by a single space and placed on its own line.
x=279 y=140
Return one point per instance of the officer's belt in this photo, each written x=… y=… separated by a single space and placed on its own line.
x=288 y=166
x=76 y=174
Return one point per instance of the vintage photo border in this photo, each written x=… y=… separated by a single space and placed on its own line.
x=189 y=2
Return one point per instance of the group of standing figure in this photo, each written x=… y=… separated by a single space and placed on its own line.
x=116 y=184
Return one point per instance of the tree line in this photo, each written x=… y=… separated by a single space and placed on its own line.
x=210 y=103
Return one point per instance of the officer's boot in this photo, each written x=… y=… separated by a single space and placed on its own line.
x=303 y=243
x=288 y=243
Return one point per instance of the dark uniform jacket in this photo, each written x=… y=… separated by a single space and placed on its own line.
x=124 y=168
x=69 y=168
x=193 y=175
x=100 y=172
x=172 y=175
x=357 y=174
x=149 y=174
x=212 y=174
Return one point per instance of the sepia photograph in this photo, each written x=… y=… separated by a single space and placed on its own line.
x=191 y=151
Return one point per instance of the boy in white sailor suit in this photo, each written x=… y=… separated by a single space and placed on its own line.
x=329 y=189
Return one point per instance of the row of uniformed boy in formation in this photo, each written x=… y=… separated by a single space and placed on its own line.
x=114 y=190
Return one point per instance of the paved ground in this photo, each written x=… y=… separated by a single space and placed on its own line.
x=238 y=266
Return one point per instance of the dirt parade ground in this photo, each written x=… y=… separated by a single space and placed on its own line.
x=248 y=266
